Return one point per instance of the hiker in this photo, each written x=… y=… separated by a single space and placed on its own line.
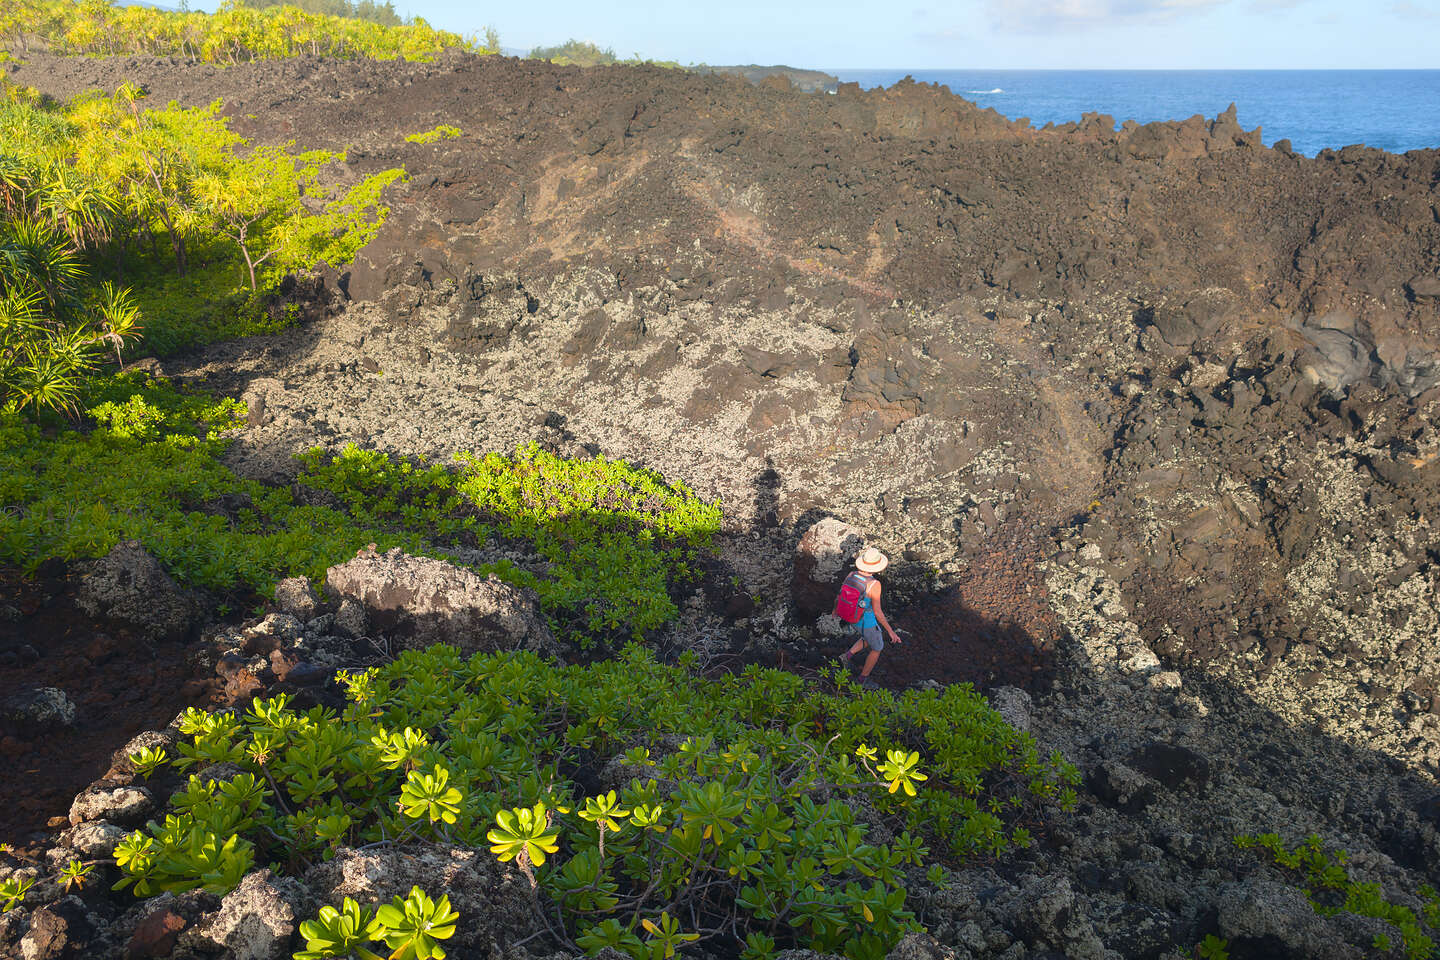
x=872 y=618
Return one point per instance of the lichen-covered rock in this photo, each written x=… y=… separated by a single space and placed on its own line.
x=152 y=739
x=39 y=711
x=1175 y=766
x=825 y=553
x=421 y=601
x=296 y=596
x=274 y=629
x=1044 y=912
x=1013 y=705
x=94 y=839
x=1121 y=787
x=127 y=585
x=1261 y=917
x=256 y=921
x=495 y=902
x=350 y=619
x=127 y=806
x=922 y=946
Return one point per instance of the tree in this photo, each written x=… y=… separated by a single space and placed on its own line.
x=252 y=197
x=578 y=53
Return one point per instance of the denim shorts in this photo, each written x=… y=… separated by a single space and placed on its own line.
x=872 y=636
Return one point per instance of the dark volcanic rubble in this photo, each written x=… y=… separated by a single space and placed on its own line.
x=1157 y=401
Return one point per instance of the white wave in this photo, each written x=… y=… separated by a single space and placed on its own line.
x=996 y=90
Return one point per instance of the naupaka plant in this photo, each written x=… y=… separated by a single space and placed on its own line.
x=412 y=927
x=730 y=816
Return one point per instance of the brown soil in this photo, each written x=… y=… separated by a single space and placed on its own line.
x=992 y=628
x=119 y=685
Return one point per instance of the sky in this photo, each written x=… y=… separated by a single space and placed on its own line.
x=972 y=34
x=977 y=34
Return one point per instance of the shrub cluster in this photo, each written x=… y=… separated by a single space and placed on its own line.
x=442 y=132
x=737 y=810
x=618 y=538
x=1330 y=889
x=236 y=33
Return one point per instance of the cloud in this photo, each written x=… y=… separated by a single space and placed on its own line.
x=947 y=37
x=1044 y=16
x=1414 y=11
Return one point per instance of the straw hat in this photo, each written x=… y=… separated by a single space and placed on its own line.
x=871 y=560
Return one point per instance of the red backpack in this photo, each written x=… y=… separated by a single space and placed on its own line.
x=852 y=591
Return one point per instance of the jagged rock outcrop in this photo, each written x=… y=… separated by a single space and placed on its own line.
x=256 y=921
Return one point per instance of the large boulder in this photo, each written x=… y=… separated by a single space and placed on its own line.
x=256 y=921
x=1337 y=351
x=128 y=586
x=495 y=902
x=94 y=839
x=825 y=553
x=1197 y=318
x=1045 y=912
x=38 y=711
x=126 y=806
x=295 y=596
x=419 y=601
x=1423 y=288
x=1264 y=918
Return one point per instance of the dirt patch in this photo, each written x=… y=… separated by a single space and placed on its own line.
x=118 y=684
x=994 y=627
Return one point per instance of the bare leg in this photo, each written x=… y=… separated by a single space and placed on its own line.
x=869 y=664
x=859 y=645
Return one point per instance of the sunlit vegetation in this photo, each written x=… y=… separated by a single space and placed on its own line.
x=234 y=34
x=754 y=812
x=617 y=539
x=117 y=219
x=442 y=132
x=1324 y=875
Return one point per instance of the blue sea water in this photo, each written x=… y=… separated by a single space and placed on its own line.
x=1395 y=110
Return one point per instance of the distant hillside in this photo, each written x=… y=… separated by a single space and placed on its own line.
x=811 y=81
x=582 y=53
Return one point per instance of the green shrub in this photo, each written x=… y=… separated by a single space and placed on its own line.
x=734 y=817
x=618 y=538
x=1330 y=889
x=442 y=132
x=55 y=328
x=409 y=926
x=149 y=471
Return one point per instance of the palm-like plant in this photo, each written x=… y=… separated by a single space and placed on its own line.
x=51 y=337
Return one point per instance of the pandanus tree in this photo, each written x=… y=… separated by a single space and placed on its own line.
x=53 y=332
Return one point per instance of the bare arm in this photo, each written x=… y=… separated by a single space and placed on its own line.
x=874 y=594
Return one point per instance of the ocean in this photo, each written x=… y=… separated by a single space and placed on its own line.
x=1395 y=110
